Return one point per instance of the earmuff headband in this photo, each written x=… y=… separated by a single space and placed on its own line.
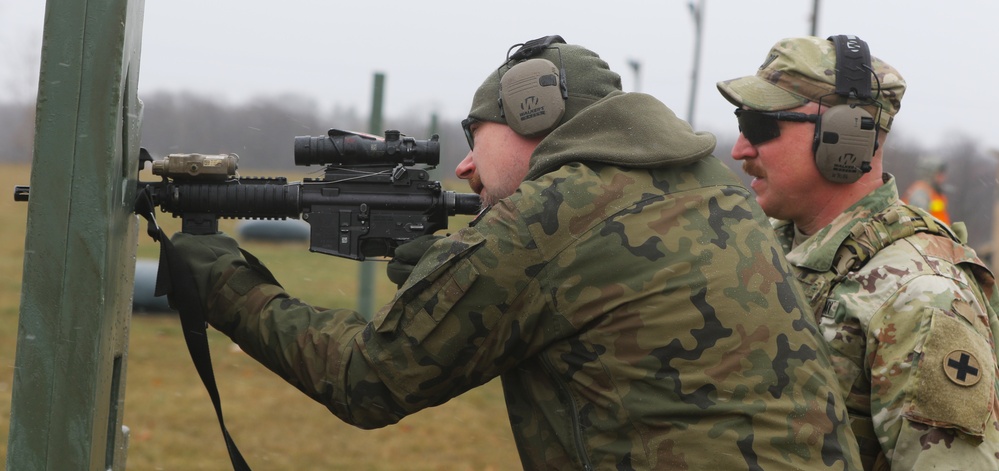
x=853 y=69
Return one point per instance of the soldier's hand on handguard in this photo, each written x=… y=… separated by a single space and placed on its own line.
x=213 y=264
x=201 y=253
x=407 y=256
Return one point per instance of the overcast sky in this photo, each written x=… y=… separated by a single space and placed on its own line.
x=435 y=53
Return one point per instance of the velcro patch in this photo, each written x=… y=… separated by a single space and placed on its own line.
x=955 y=378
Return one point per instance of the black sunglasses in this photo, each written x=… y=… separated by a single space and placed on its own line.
x=761 y=126
x=466 y=125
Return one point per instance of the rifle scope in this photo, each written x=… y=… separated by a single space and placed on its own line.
x=349 y=148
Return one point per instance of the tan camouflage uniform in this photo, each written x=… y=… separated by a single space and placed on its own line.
x=911 y=331
x=904 y=305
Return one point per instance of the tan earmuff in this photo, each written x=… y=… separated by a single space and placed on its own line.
x=532 y=93
x=846 y=136
x=845 y=140
x=531 y=97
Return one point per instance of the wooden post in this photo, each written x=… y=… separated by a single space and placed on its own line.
x=79 y=258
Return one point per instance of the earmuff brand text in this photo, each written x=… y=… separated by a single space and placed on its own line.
x=530 y=108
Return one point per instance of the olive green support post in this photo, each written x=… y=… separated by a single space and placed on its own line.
x=366 y=273
x=79 y=259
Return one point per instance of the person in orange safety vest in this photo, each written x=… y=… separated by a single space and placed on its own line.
x=928 y=193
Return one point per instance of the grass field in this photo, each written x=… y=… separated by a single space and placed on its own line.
x=170 y=417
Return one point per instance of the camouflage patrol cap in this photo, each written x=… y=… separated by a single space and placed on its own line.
x=588 y=78
x=800 y=70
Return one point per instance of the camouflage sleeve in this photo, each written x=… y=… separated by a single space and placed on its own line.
x=307 y=346
x=444 y=333
x=933 y=380
x=470 y=311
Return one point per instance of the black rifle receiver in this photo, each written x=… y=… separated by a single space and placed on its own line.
x=371 y=199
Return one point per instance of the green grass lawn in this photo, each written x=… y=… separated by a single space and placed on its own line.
x=170 y=416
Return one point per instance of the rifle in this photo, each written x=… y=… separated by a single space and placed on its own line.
x=371 y=199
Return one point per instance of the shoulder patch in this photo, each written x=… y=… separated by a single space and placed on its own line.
x=954 y=383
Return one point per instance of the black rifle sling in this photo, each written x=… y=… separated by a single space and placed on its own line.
x=174 y=278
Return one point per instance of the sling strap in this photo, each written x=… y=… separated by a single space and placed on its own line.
x=174 y=279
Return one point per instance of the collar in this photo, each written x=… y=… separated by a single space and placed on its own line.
x=818 y=251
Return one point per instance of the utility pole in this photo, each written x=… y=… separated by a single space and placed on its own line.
x=697 y=12
x=815 y=18
x=636 y=67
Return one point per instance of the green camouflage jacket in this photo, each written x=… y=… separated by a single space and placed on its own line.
x=912 y=333
x=636 y=306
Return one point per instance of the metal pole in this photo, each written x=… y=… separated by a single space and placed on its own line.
x=366 y=275
x=434 y=126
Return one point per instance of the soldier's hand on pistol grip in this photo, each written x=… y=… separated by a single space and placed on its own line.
x=407 y=256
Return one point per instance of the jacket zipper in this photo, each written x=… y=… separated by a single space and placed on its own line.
x=577 y=433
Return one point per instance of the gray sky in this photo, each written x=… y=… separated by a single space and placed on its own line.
x=435 y=53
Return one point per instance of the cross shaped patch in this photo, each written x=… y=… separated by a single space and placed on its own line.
x=962 y=368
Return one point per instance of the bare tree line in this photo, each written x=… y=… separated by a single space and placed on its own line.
x=17 y=129
x=262 y=133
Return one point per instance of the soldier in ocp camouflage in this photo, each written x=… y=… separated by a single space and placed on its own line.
x=629 y=293
x=908 y=309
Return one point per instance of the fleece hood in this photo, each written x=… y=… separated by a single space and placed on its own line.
x=624 y=129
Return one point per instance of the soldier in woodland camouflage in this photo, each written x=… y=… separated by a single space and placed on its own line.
x=908 y=309
x=622 y=283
